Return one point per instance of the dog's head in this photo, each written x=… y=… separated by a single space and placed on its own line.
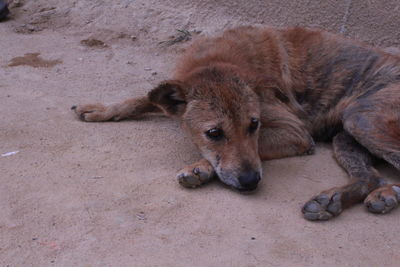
x=221 y=113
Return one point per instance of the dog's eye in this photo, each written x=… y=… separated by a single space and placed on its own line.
x=253 y=125
x=215 y=134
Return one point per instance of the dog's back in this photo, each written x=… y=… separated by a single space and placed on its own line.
x=319 y=73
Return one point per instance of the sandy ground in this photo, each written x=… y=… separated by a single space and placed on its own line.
x=104 y=194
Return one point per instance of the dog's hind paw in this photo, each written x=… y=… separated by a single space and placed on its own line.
x=196 y=174
x=93 y=112
x=323 y=207
x=383 y=199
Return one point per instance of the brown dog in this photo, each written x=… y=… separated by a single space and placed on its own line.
x=255 y=94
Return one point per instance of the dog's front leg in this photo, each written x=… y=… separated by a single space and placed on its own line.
x=283 y=134
x=196 y=174
x=130 y=108
x=278 y=143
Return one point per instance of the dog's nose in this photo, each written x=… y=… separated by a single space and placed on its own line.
x=249 y=180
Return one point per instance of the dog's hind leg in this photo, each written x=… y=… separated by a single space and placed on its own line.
x=374 y=121
x=357 y=162
x=196 y=174
x=129 y=109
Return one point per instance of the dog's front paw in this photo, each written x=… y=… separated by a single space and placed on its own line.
x=196 y=174
x=383 y=199
x=92 y=112
x=323 y=207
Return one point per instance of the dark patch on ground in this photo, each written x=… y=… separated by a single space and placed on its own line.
x=91 y=42
x=33 y=60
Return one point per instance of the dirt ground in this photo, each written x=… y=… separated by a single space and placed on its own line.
x=105 y=194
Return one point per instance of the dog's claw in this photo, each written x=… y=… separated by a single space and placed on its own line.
x=82 y=116
x=196 y=171
x=311 y=150
x=397 y=190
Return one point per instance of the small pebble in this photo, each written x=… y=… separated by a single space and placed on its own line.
x=397 y=190
x=141 y=216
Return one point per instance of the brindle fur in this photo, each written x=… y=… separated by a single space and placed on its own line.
x=303 y=85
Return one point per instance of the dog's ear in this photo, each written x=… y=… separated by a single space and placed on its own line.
x=170 y=97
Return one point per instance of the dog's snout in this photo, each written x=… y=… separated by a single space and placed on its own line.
x=249 y=180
